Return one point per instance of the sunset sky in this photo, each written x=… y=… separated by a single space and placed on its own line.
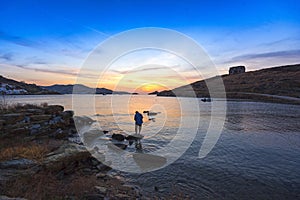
x=47 y=42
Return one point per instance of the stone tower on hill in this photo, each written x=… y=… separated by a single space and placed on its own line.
x=237 y=70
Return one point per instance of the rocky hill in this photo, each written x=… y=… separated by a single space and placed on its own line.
x=10 y=86
x=266 y=84
x=153 y=93
x=81 y=89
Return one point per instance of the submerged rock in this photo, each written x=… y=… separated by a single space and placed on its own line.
x=83 y=121
x=90 y=136
x=120 y=145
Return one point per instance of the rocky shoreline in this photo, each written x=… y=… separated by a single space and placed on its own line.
x=39 y=158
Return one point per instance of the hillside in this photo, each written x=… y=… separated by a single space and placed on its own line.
x=10 y=86
x=81 y=89
x=265 y=84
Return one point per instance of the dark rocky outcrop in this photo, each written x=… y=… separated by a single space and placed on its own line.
x=118 y=137
x=153 y=93
x=41 y=162
x=77 y=89
x=50 y=120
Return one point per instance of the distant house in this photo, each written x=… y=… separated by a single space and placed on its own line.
x=237 y=70
x=11 y=89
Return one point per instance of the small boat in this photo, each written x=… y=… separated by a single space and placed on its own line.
x=150 y=113
x=206 y=99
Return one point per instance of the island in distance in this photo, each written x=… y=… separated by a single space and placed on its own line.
x=13 y=87
x=81 y=89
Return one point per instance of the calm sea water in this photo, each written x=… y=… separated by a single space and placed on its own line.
x=256 y=157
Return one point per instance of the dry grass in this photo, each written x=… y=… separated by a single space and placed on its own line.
x=29 y=150
x=47 y=185
x=32 y=152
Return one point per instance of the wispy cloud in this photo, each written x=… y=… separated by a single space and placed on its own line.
x=6 y=56
x=73 y=47
x=143 y=69
x=18 y=40
x=58 y=71
x=289 y=53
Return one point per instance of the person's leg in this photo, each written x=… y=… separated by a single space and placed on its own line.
x=136 y=129
x=140 y=128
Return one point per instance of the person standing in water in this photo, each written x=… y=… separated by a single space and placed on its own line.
x=138 y=118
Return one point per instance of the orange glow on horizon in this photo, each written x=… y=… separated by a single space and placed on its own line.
x=142 y=82
x=151 y=88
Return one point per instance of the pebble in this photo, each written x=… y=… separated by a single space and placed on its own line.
x=101 y=189
x=100 y=175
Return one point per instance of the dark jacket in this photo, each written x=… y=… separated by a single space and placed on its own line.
x=138 y=118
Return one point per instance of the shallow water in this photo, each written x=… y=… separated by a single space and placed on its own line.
x=256 y=157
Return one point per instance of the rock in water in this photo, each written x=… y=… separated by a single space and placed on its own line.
x=83 y=121
x=121 y=146
x=118 y=137
x=134 y=137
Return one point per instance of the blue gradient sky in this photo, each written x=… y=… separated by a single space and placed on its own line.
x=46 y=42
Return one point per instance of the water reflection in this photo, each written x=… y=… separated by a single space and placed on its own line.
x=257 y=156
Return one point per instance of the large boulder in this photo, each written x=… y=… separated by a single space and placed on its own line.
x=2 y=197
x=67 y=117
x=21 y=163
x=83 y=122
x=35 y=118
x=67 y=114
x=12 y=118
x=54 y=109
x=57 y=122
x=18 y=131
x=35 y=111
x=91 y=135
x=67 y=158
x=118 y=137
x=11 y=169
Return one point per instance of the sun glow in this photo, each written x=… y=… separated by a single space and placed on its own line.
x=152 y=88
